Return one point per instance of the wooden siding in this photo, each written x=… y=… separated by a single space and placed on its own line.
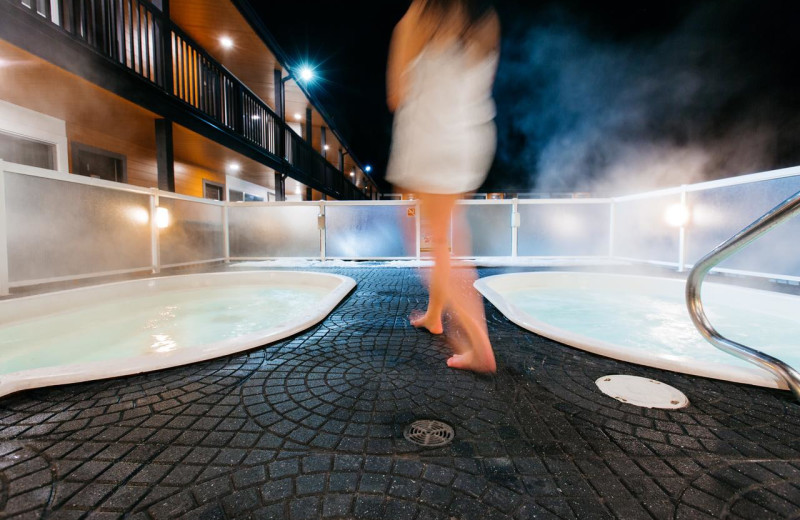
x=98 y=118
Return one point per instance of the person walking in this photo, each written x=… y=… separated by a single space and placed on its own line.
x=442 y=62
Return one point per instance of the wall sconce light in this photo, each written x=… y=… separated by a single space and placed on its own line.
x=162 y=217
x=677 y=215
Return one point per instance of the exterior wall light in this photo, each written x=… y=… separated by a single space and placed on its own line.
x=306 y=73
x=162 y=217
x=677 y=215
x=226 y=42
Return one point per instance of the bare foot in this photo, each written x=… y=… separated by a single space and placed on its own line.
x=473 y=358
x=473 y=362
x=420 y=319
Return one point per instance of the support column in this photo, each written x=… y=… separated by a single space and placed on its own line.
x=341 y=160
x=280 y=186
x=308 y=125
x=280 y=106
x=280 y=109
x=165 y=158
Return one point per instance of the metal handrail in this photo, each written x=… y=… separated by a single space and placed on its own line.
x=777 y=215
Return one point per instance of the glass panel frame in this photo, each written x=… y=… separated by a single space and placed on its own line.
x=274 y=231
x=718 y=213
x=370 y=231
x=562 y=229
x=62 y=229
x=195 y=232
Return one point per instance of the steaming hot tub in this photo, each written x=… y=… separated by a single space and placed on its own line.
x=143 y=325
x=644 y=320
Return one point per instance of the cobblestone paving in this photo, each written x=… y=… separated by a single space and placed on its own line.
x=311 y=427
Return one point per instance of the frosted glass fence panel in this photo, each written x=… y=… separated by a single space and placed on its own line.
x=563 y=229
x=719 y=213
x=641 y=231
x=274 y=231
x=369 y=231
x=194 y=233
x=65 y=229
x=490 y=226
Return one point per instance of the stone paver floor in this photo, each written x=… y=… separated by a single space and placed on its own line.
x=311 y=427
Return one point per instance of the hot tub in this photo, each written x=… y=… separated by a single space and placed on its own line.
x=143 y=325
x=644 y=320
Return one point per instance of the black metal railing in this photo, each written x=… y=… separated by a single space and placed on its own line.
x=129 y=32
x=200 y=81
x=135 y=34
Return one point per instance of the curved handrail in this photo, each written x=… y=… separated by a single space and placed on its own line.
x=777 y=215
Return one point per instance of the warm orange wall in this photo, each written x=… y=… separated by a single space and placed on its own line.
x=140 y=160
x=189 y=179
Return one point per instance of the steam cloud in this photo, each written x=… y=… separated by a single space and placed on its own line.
x=588 y=112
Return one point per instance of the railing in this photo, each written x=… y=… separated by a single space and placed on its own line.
x=201 y=82
x=129 y=32
x=779 y=214
x=592 y=229
x=134 y=34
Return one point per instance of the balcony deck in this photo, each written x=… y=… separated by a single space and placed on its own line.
x=311 y=427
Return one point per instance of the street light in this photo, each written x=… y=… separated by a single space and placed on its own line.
x=306 y=73
x=368 y=168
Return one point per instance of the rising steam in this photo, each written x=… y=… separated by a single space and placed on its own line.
x=590 y=112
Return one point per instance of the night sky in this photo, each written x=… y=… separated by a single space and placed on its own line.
x=606 y=97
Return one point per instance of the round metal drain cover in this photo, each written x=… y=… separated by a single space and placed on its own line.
x=640 y=391
x=429 y=433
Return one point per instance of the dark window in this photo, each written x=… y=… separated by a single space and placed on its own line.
x=97 y=163
x=21 y=150
x=240 y=196
x=213 y=191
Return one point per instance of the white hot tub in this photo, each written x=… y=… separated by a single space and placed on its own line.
x=143 y=325
x=644 y=320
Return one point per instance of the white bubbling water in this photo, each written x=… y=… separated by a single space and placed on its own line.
x=151 y=324
x=660 y=324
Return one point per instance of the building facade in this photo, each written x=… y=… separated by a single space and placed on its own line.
x=187 y=96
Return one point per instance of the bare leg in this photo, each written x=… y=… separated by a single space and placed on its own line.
x=437 y=210
x=467 y=305
x=453 y=288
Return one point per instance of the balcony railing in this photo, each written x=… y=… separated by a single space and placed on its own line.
x=135 y=35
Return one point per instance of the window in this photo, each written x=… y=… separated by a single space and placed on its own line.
x=22 y=150
x=213 y=190
x=98 y=163
x=240 y=196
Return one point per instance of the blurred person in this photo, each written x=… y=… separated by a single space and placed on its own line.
x=442 y=62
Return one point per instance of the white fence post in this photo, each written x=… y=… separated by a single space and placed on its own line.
x=611 y=217
x=154 y=243
x=682 y=234
x=418 y=226
x=4 y=290
x=322 y=225
x=515 y=221
x=226 y=233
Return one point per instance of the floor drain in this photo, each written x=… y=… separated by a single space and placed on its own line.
x=640 y=391
x=429 y=433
